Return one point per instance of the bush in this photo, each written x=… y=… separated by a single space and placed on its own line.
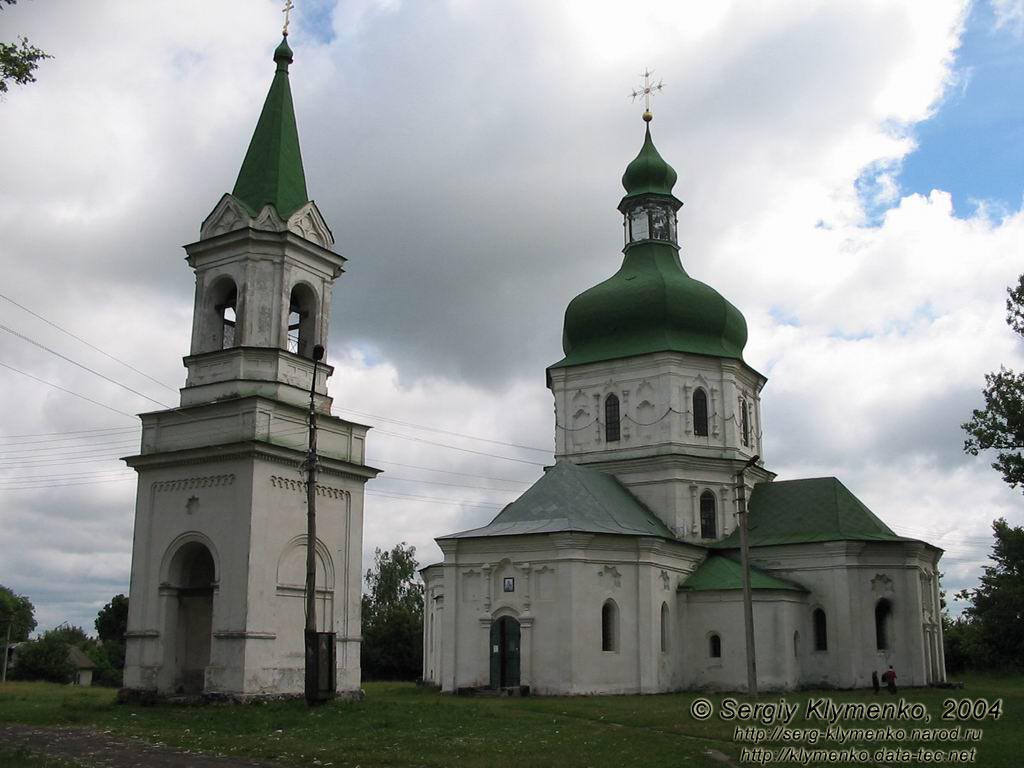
x=44 y=659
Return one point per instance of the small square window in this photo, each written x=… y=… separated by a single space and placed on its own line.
x=510 y=584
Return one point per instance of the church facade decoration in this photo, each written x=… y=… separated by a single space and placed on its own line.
x=656 y=415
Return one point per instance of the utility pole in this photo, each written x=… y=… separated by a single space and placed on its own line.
x=7 y=647
x=748 y=601
x=312 y=639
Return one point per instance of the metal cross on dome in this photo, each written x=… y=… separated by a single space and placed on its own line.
x=287 y=11
x=646 y=90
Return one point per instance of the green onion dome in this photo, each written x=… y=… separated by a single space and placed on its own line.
x=648 y=173
x=650 y=304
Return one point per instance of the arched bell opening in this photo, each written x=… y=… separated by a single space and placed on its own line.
x=221 y=321
x=302 y=320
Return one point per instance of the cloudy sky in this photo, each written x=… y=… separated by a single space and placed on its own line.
x=852 y=179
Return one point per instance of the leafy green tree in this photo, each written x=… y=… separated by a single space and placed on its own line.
x=44 y=659
x=392 y=646
x=18 y=61
x=19 y=612
x=111 y=626
x=73 y=635
x=999 y=426
x=992 y=629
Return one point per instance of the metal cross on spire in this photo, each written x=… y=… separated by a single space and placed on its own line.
x=287 y=11
x=646 y=90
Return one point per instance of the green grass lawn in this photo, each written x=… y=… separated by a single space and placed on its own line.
x=402 y=725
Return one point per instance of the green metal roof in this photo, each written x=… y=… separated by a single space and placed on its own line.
x=569 y=497
x=272 y=170
x=650 y=305
x=801 y=511
x=648 y=173
x=719 y=572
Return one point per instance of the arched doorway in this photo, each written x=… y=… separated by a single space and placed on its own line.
x=505 y=653
x=192 y=574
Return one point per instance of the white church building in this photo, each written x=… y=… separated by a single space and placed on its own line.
x=618 y=570
x=219 y=554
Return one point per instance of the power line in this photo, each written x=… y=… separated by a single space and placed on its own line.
x=443 y=431
x=457 y=448
x=83 y=367
x=68 y=391
x=73 y=432
x=83 y=341
x=444 y=471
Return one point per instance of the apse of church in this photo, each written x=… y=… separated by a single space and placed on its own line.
x=617 y=571
x=219 y=553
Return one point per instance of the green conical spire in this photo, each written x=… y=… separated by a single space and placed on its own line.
x=648 y=174
x=272 y=169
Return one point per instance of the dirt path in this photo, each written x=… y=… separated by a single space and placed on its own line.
x=104 y=750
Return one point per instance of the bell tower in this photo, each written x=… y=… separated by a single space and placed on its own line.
x=218 y=561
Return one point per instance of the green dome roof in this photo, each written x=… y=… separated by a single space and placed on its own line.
x=648 y=174
x=650 y=305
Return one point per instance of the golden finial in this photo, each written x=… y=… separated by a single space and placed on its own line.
x=646 y=90
x=288 y=6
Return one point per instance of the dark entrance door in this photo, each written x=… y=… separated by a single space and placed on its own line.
x=505 y=653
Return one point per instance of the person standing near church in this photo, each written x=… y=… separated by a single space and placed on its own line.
x=874 y=680
x=889 y=677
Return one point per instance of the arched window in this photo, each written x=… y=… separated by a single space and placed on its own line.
x=700 y=413
x=883 y=612
x=664 y=627
x=708 y=522
x=302 y=320
x=820 y=630
x=796 y=644
x=715 y=646
x=222 y=323
x=609 y=626
x=745 y=422
x=611 y=419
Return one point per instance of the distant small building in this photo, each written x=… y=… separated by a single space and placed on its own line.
x=83 y=666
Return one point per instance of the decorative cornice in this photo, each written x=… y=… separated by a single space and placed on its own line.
x=188 y=483
x=290 y=484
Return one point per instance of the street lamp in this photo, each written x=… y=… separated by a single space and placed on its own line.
x=320 y=673
x=748 y=602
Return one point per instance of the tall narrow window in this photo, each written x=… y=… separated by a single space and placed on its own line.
x=708 y=518
x=715 y=646
x=745 y=422
x=611 y=419
x=664 y=627
x=700 y=413
x=222 y=324
x=609 y=626
x=883 y=612
x=302 y=321
x=796 y=644
x=820 y=630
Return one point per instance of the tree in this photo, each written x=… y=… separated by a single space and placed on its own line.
x=995 y=635
x=392 y=646
x=44 y=659
x=111 y=626
x=19 y=612
x=1000 y=424
x=18 y=61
